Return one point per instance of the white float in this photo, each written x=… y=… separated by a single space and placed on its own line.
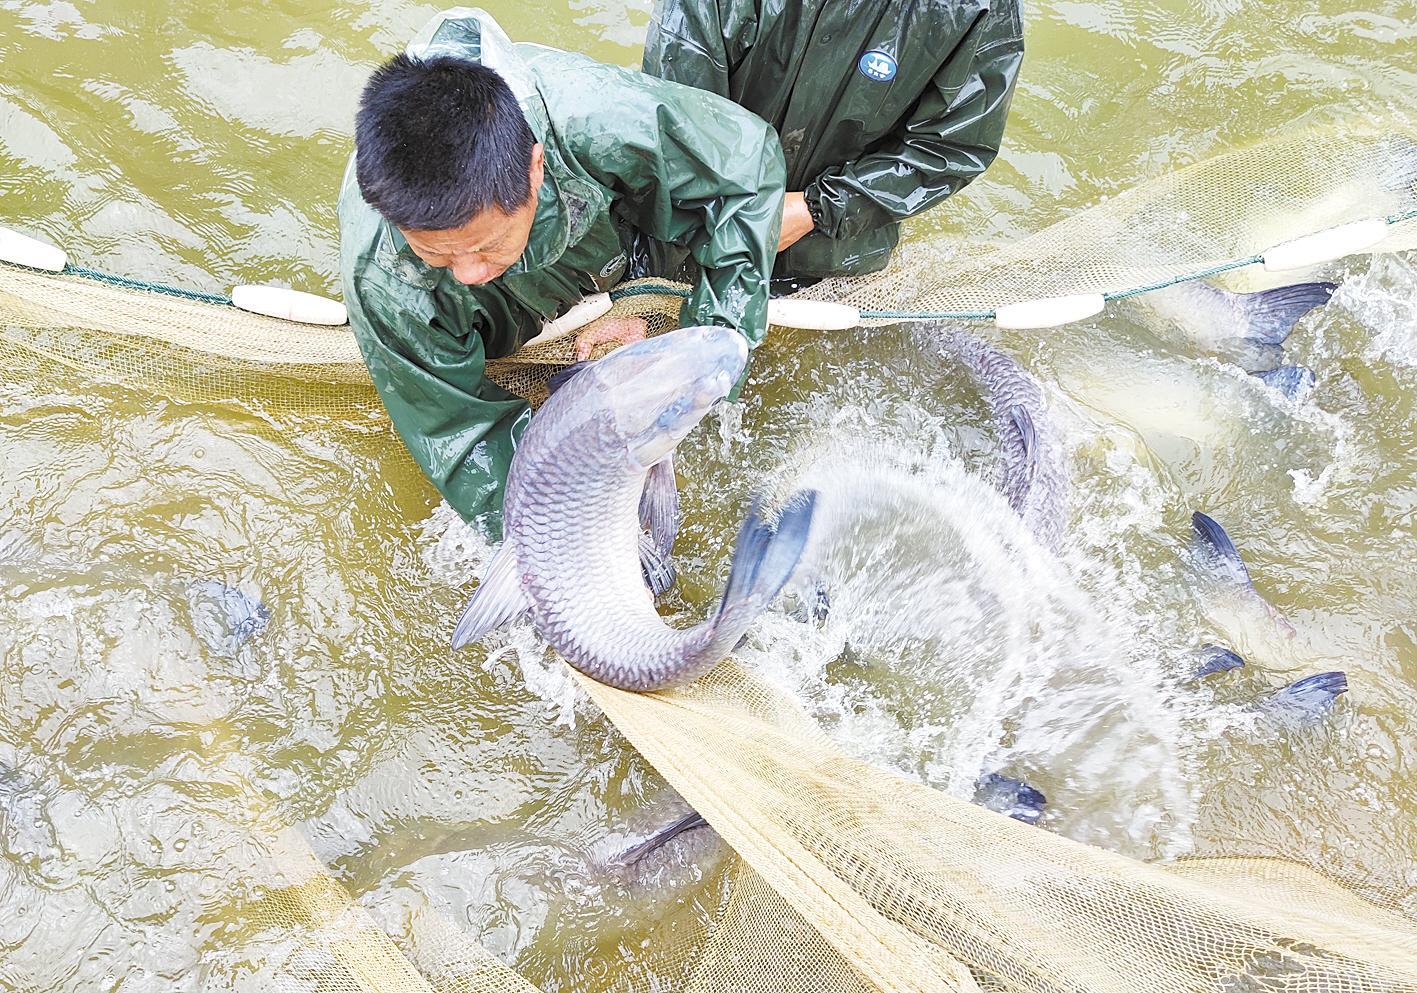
x=290 y=305
x=21 y=249
x=812 y=315
x=1326 y=246
x=1051 y=312
x=590 y=308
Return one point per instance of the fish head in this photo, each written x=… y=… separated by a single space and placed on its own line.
x=658 y=389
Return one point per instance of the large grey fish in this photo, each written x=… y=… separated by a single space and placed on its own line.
x=1035 y=469
x=571 y=518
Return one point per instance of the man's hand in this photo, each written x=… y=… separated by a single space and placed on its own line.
x=796 y=221
x=620 y=330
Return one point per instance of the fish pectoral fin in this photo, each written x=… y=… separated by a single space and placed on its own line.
x=562 y=377
x=497 y=600
x=1010 y=797
x=659 y=505
x=656 y=566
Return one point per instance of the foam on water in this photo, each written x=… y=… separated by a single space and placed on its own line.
x=1384 y=300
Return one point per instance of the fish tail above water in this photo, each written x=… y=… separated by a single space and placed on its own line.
x=763 y=561
x=1270 y=315
x=1306 y=701
x=1035 y=469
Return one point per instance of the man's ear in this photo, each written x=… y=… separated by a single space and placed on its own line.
x=538 y=168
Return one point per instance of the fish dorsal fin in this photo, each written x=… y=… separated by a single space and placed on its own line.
x=497 y=600
x=561 y=377
x=1028 y=435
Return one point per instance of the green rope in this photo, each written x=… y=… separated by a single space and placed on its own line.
x=649 y=289
x=1410 y=215
x=143 y=284
x=1177 y=280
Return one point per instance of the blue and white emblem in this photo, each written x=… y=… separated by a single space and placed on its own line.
x=877 y=65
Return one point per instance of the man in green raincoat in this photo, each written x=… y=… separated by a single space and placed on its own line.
x=884 y=107
x=493 y=186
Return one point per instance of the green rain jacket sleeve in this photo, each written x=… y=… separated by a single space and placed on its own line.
x=427 y=357
x=949 y=139
x=695 y=170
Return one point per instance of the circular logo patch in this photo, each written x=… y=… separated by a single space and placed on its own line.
x=877 y=65
x=617 y=262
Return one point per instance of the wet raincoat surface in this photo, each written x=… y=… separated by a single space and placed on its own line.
x=626 y=156
x=884 y=107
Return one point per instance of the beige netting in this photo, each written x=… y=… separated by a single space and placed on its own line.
x=1227 y=208
x=851 y=879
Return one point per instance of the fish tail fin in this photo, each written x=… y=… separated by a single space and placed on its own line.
x=1011 y=797
x=1212 y=540
x=1270 y=315
x=1306 y=700
x=1291 y=380
x=763 y=562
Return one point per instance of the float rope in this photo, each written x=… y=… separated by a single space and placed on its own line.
x=671 y=289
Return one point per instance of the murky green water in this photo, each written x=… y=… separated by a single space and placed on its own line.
x=201 y=144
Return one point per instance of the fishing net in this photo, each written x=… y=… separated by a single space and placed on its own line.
x=849 y=877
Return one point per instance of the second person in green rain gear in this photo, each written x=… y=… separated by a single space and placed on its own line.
x=884 y=107
x=493 y=186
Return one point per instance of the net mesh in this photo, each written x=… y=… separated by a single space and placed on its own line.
x=1204 y=217
x=851 y=879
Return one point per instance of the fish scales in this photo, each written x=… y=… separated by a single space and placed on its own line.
x=1035 y=473
x=573 y=534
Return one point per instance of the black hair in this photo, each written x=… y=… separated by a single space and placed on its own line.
x=440 y=140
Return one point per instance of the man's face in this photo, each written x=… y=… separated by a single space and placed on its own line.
x=486 y=246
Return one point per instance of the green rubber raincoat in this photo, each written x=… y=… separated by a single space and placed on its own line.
x=884 y=107
x=627 y=156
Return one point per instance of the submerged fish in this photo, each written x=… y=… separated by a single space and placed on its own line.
x=1294 y=381
x=1010 y=797
x=1302 y=703
x=1247 y=327
x=1035 y=471
x=1217 y=554
x=572 y=522
x=224 y=617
